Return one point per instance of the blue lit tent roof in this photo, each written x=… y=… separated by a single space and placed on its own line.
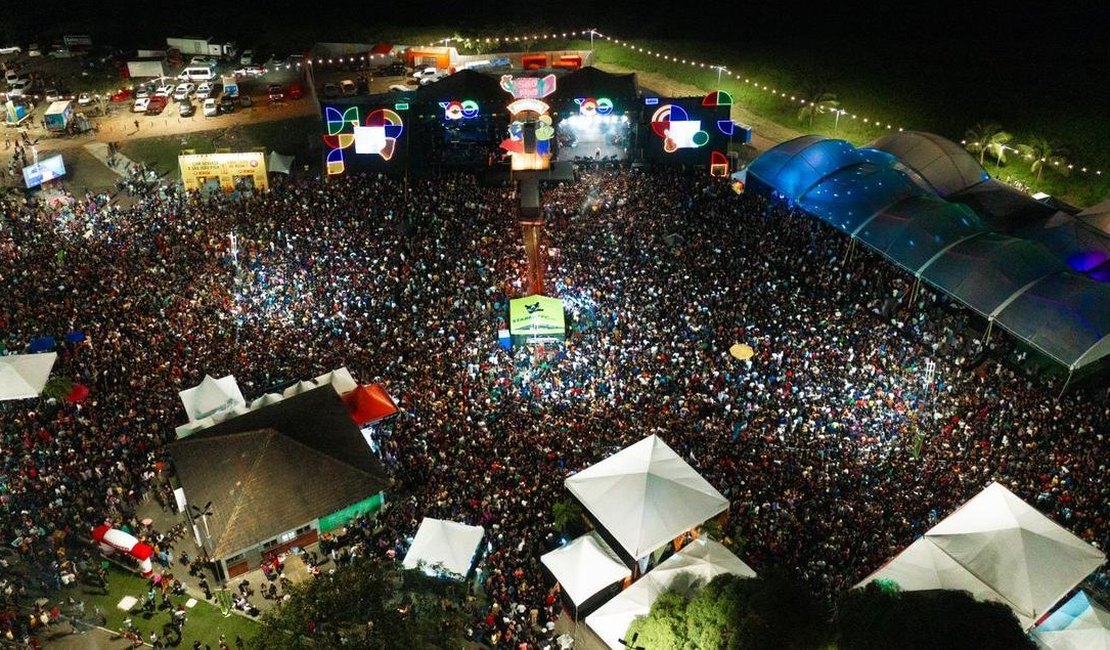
x=848 y=198
x=942 y=164
x=1066 y=316
x=984 y=272
x=915 y=229
x=797 y=165
x=1003 y=207
x=1015 y=281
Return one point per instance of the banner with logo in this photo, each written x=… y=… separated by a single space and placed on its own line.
x=536 y=317
x=228 y=171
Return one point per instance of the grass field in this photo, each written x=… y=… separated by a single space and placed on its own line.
x=205 y=622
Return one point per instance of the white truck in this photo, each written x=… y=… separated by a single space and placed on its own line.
x=191 y=45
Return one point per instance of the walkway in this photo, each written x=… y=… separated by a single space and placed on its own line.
x=99 y=150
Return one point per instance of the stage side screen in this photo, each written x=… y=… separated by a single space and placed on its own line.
x=684 y=130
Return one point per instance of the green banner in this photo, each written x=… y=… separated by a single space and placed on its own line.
x=537 y=317
x=339 y=519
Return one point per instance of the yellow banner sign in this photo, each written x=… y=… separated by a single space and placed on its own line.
x=227 y=170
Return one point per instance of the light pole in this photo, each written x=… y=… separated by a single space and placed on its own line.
x=592 y=32
x=720 y=69
x=839 y=112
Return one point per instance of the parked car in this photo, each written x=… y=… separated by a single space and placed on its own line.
x=204 y=91
x=165 y=90
x=140 y=105
x=186 y=109
x=143 y=90
x=227 y=104
x=84 y=99
x=11 y=76
x=203 y=60
x=428 y=75
x=11 y=49
x=348 y=88
x=34 y=50
x=401 y=88
x=395 y=69
x=19 y=88
x=52 y=94
x=211 y=108
x=250 y=71
x=245 y=101
x=183 y=91
x=156 y=105
x=124 y=95
x=60 y=53
x=247 y=58
x=296 y=91
x=331 y=90
x=275 y=92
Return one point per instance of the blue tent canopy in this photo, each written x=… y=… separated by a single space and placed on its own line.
x=42 y=344
x=895 y=207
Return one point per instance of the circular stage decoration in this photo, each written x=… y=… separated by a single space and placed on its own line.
x=741 y=351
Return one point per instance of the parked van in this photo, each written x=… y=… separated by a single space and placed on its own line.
x=197 y=73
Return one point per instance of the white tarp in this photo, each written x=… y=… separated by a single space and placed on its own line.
x=585 y=566
x=1025 y=558
x=23 y=376
x=266 y=400
x=340 y=379
x=445 y=545
x=1079 y=624
x=189 y=428
x=279 y=164
x=645 y=496
x=211 y=396
x=684 y=572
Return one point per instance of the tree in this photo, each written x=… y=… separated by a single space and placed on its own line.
x=735 y=613
x=875 y=618
x=987 y=137
x=1042 y=153
x=369 y=604
x=816 y=100
x=568 y=517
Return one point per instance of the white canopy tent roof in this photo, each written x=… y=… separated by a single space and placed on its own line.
x=585 y=566
x=211 y=396
x=300 y=387
x=266 y=400
x=279 y=163
x=684 y=572
x=645 y=495
x=1079 y=624
x=23 y=376
x=445 y=544
x=340 y=379
x=1007 y=547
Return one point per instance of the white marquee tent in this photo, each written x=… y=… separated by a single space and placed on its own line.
x=684 y=572
x=340 y=379
x=23 y=376
x=1025 y=558
x=211 y=397
x=645 y=496
x=585 y=566
x=1079 y=624
x=444 y=544
x=301 y=386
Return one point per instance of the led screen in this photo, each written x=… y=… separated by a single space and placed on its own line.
x=44 y=171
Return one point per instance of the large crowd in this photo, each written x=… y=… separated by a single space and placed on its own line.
x=833 y=448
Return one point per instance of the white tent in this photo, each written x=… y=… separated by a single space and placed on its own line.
x=340 y=379
x=211 y=396
x=444 y=544
x=1079 y=624
x=23 y=376
x=684 y=572
x=645 y=496
x=279 y=164
x=299 y=387
x=1007 y=547
x=266 y=400
x=585 y=566
x=189 y=428
x=923 y=566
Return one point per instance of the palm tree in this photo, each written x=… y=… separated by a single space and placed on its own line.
x=1042 y=153
x=987 y=137
x=818 y=102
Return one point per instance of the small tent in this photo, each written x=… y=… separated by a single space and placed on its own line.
x=299 y=387
x=684 y=572
x=211 y=396
x=585 y=568
x=279 y=164
x=23 y=376
x=1079 y=624
x=1006 y=547
x=369 y=404
x=266 y=400
x=447 y=547
x=340 y=379
x=645 y=496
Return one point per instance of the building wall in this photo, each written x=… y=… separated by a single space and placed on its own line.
x=252 y=558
